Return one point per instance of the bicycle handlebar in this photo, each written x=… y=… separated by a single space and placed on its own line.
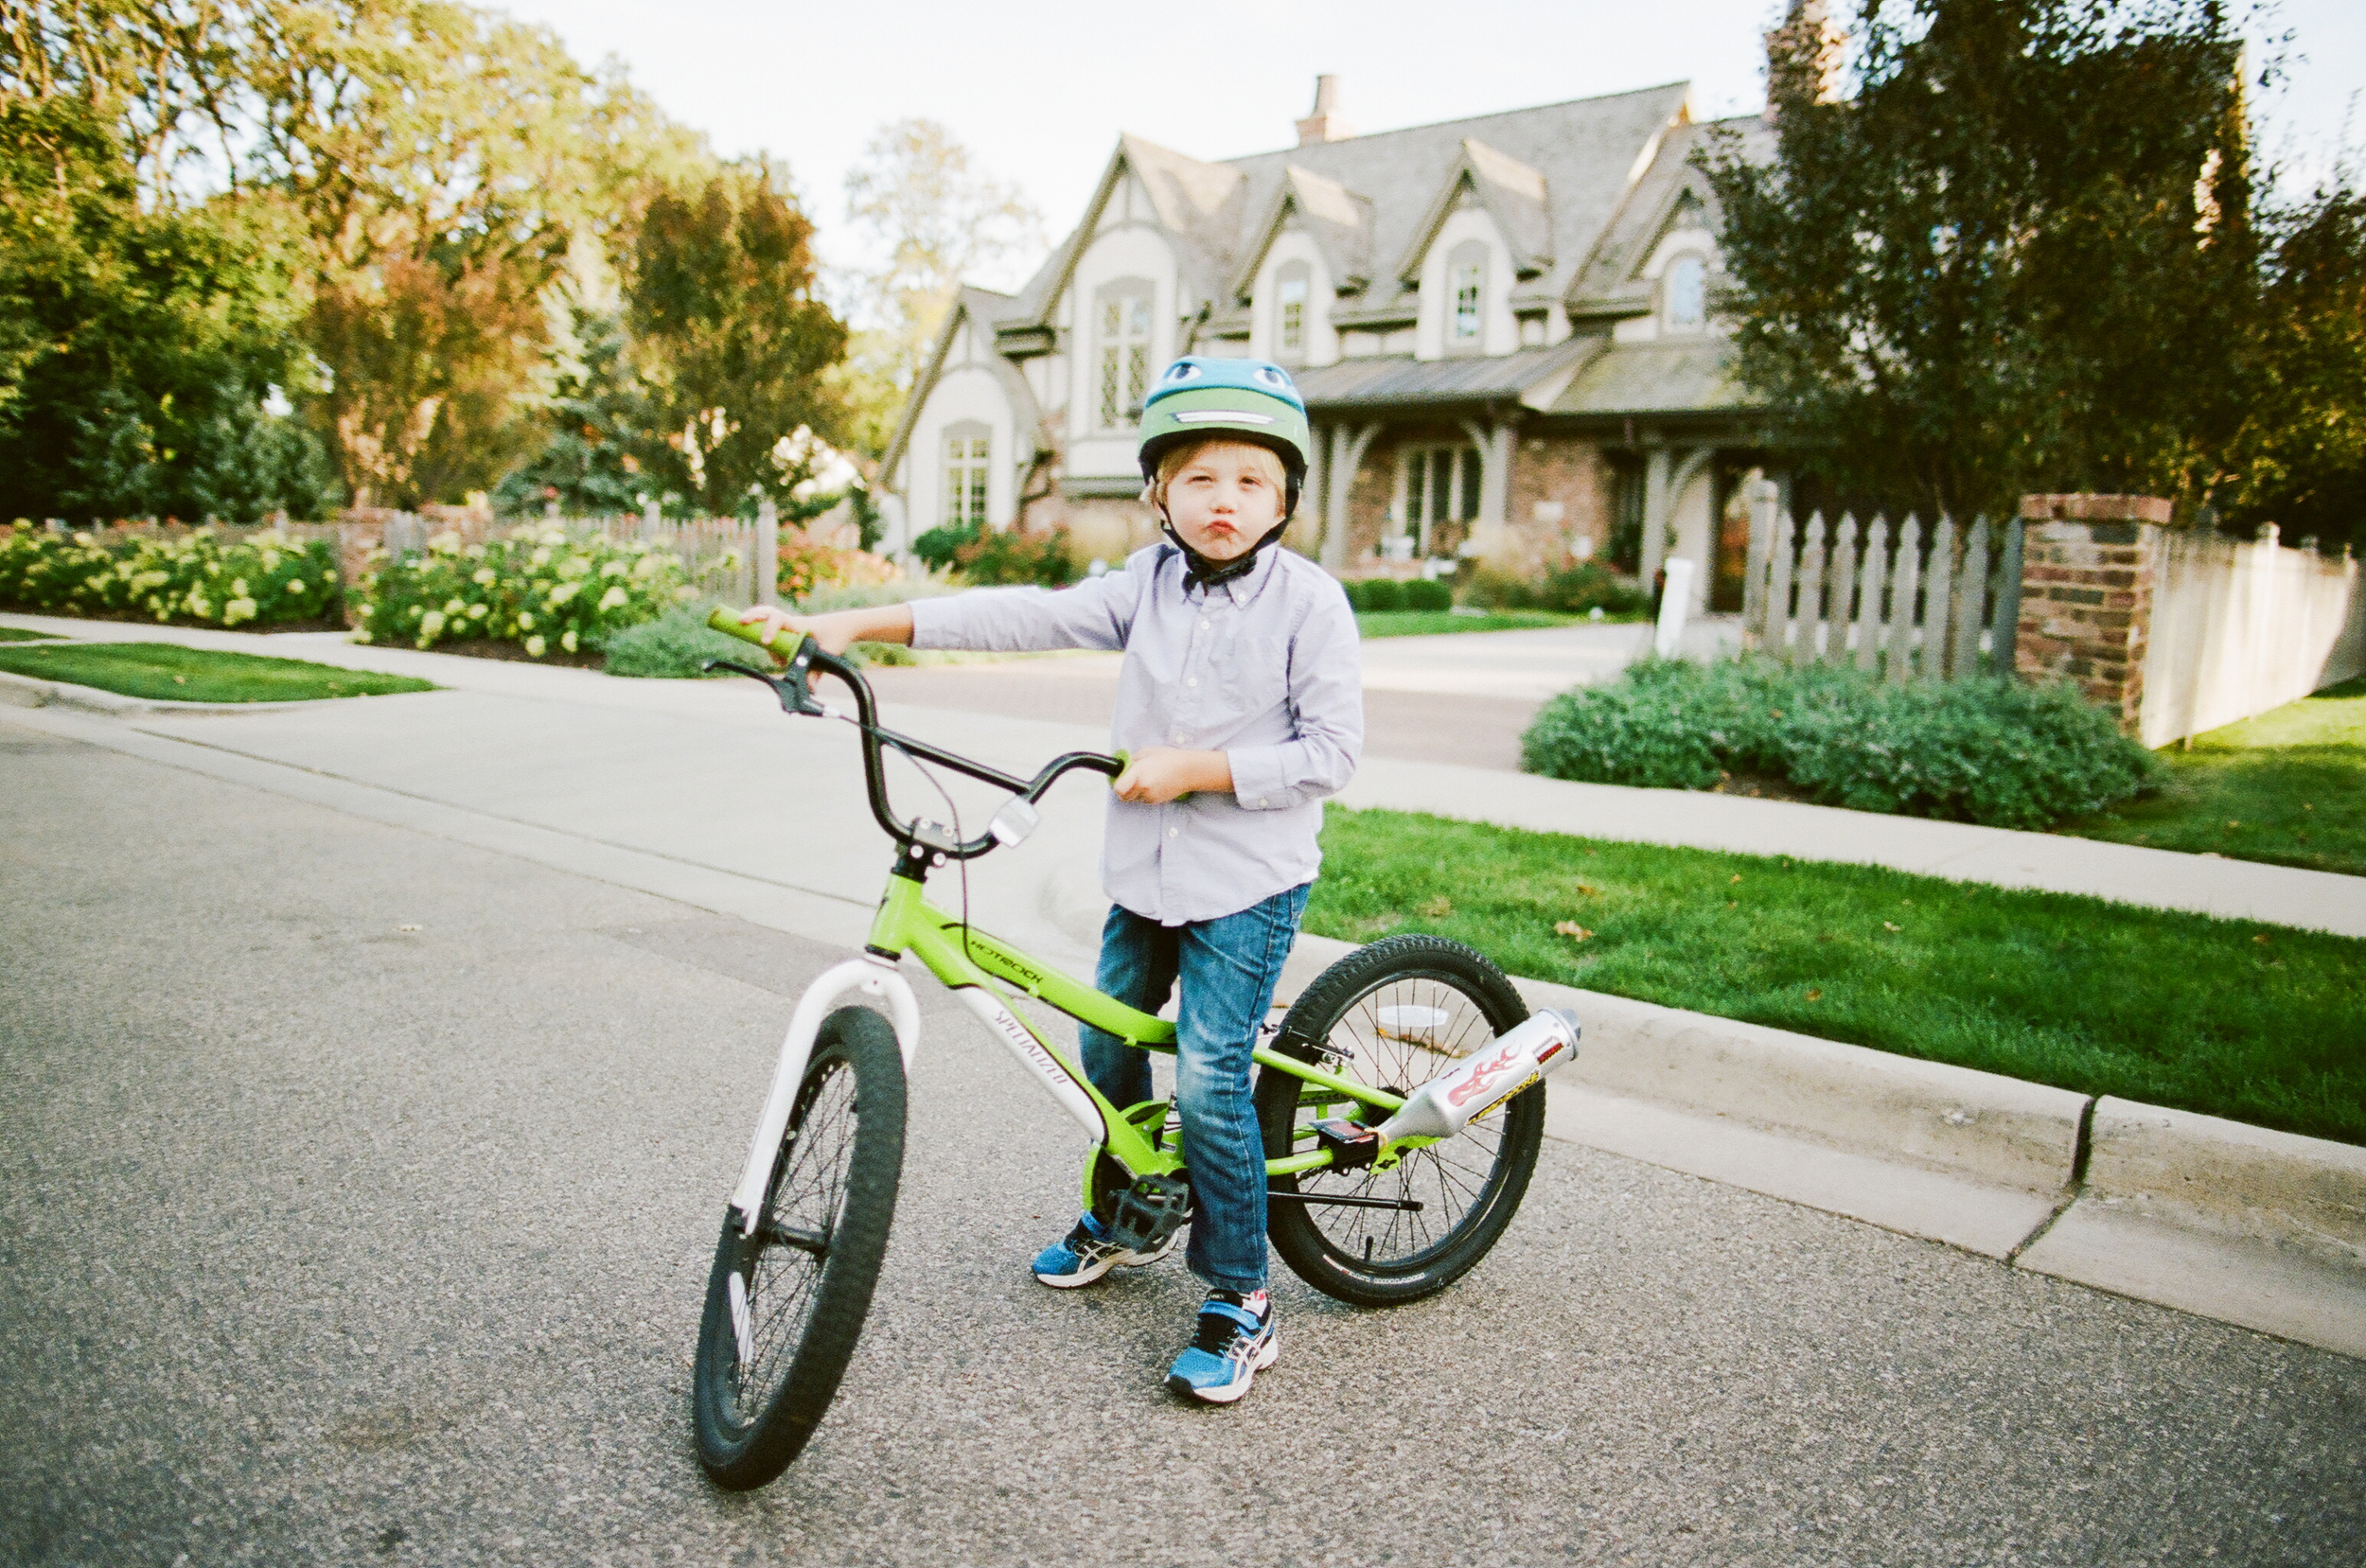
x=802 y=654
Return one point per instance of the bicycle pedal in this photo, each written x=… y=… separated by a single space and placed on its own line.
x=1149 y=1211
x=1351 y=1144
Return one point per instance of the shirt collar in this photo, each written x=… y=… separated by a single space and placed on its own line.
x=1241 y=589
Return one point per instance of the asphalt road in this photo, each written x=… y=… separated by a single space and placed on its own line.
x=327 y=1241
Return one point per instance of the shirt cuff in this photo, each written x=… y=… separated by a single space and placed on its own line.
x=935 y=623
x=1258 y=782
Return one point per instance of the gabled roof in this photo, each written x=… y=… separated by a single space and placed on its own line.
x=1556 y=176
x=1607 y=280
x=1201 y=205
x=1512 y=194
x=983 y=307
x=1339 y=221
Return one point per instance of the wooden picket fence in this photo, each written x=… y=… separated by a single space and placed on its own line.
x=1906 y=602
x=720 y=555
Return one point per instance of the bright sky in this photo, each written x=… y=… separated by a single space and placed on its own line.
x=1039 y=89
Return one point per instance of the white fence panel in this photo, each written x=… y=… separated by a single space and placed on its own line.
x=2240 y=628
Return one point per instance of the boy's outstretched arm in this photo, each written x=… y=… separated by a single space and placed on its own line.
x=836 y=631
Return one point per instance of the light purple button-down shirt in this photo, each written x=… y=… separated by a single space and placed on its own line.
x=1264 y=669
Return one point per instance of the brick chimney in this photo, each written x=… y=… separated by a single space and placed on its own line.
x=1324 y=124
x=1803 y=56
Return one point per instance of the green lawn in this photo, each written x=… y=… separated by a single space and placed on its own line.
x=196 y=675
x=18 y=634
x=2236 y=1018
x=2287 y=788
x=1433 y=623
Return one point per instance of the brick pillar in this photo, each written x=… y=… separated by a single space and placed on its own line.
x=2087 y=568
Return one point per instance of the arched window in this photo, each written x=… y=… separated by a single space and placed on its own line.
x=1466 y=296
x=967 y=448
x=1122 y=311
x=1687 y=293
x=1290 y=304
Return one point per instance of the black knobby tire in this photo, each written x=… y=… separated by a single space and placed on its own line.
x=809 y=1269
x=1396 y=1014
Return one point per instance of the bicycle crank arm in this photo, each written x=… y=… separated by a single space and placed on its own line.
x=1343 y=1201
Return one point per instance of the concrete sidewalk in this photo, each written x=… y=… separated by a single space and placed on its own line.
x=2124 y=873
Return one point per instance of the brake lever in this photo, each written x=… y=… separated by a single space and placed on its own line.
x=790 y=688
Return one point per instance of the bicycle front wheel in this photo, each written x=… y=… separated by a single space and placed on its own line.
x=786 y=1305
x=1394 y=1016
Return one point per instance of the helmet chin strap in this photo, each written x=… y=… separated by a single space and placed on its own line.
x=1200 y=571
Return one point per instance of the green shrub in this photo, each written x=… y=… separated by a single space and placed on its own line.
x=1382 y=594
x=200 y=575
x=938 y=546
x=1355 y=590
x=998 y=556
x=1426 y=593
x=539 y=589
x=1995 y=752
x=672 y=647
x=1573 y=590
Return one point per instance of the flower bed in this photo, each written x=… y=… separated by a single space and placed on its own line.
x=1995 y=752
x=198 y=574
x=539 y=588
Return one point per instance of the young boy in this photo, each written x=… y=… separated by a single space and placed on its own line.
x=1241 y=701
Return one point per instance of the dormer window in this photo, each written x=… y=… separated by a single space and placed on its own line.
x=1124 y=351
x=1466 y=295
x=1686 y=294
x=1290 y=312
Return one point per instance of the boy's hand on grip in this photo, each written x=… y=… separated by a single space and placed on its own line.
x=1158 y=774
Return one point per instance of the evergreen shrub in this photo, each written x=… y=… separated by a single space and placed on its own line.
x=536 y=588
x=1427 y=593
x=1991 y=751
x=674 y=645
x=1382 y=594
x=197 y=575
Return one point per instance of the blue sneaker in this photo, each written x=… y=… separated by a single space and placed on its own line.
x=1235 y=1342
x=1086 y=1253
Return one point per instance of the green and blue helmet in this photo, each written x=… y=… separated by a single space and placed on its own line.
x=1239 y=399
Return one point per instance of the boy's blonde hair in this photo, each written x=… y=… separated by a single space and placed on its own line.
x=1171 y=462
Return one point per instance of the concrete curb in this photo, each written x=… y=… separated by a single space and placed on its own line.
x=25 y=690
x=2258 y=1229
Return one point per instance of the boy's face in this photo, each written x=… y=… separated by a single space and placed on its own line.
x=1223 y=500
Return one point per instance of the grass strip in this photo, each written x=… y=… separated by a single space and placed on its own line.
x=2233 y=1018
x=168 y=671
x=19 y=634
x=1438 y=623
x=2287 y=788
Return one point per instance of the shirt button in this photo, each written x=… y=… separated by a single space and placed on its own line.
x=1260 y=799
x=1193 y=681
x=1173 y=832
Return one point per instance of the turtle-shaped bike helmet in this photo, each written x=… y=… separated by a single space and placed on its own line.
x=1240 y=400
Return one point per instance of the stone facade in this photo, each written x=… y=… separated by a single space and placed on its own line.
x=2089 y=567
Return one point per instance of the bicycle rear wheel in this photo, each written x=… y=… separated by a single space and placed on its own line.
x=786 y=1305
x=1394 y=1016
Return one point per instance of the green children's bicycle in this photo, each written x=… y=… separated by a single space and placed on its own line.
x=1395 y=1102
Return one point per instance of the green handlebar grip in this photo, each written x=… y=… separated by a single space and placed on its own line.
x=728 y=623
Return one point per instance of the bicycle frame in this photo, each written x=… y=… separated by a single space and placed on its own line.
x=970 y=962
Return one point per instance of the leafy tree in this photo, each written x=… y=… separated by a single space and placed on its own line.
x=730 y=339
x=931 y=219
x=2299 y=459
x=139 y=343
x=2017 y=256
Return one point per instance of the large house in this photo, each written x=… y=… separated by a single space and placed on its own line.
x=1503 y=327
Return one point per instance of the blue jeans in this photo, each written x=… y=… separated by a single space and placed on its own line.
x=1229 y=968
